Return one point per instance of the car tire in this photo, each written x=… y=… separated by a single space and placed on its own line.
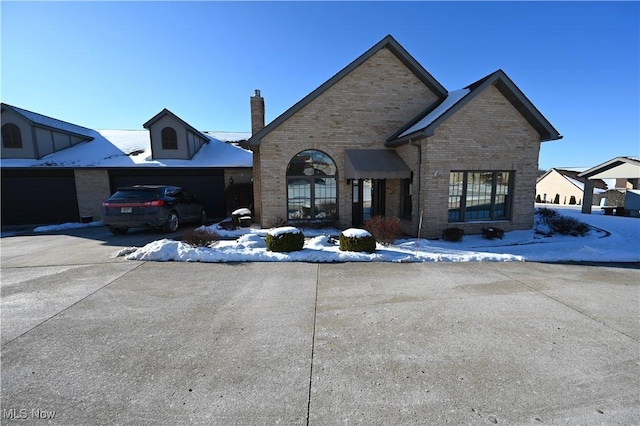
x=203 y=217
x=118 y=231
x=172 y=223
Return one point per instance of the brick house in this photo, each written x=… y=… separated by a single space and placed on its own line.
x=384 y=137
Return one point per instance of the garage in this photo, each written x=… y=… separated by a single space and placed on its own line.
x=205 y=183
x=38 y=196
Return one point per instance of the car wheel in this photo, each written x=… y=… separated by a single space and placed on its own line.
x=172 y=223
x=118 y=231
x=203 y=217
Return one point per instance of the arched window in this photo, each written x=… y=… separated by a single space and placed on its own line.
x=312 y=187
x=11 y=136
x=169 y=138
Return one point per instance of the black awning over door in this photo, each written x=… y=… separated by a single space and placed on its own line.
x=374 y=164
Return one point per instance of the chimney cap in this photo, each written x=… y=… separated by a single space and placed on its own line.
x=257 y=93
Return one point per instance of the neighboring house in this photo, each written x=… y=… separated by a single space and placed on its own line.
x=563 y=184
x=625 y=170
x=384 y=137
x=54 y=171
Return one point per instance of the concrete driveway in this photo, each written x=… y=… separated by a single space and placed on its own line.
x=89 y=339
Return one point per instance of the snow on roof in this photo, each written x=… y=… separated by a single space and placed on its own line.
x=581 y=185
x=132 y=148
x=451 y=99
x=229 y=136
x=54 y=123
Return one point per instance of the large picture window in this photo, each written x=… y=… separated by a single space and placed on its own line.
x=169 y=138
x=480 y=195
x=11 y=136
x=311 y=187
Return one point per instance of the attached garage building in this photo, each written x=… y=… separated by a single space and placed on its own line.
x=38 y=196
x=83 y=167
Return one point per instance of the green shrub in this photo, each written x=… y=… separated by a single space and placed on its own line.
x=357 y=241
x=285 y=239
x=556 y=200
x=384 y=229
x=452 y=234
x=572 y=200
x=538 y=199
x=201 y=237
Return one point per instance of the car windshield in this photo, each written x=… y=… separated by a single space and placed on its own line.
x=134 y=194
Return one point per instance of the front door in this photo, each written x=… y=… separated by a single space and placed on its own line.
x=368 y=198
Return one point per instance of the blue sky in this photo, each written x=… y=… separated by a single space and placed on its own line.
x=114 y=65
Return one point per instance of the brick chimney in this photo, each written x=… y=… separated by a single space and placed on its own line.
x=257 y=113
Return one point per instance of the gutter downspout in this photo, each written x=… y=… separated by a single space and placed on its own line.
x=419 y=146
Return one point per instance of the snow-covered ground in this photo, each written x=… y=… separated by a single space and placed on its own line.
x=611 y=239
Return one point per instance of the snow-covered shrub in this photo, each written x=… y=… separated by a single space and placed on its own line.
x=491 y=233
x=354 y=239
x=384 y=229
x=452 y=234
x=285 y=239
x=201 y=237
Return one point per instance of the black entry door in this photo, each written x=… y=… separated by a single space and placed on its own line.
x=368 y=198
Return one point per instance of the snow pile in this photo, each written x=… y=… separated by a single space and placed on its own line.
x=69 y=225
x=611 y=239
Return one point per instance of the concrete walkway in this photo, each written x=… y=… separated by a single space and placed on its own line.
x=115 y=342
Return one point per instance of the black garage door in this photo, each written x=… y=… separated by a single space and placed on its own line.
x=205 y=184
x=36 y=196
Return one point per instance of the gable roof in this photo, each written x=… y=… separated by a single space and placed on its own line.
x=164 y=112
x=618 y=167
x=132 y=148
x=52 y=123
x=388 y=42
x=573 y=176
x=430 y=115
x=426 y=123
